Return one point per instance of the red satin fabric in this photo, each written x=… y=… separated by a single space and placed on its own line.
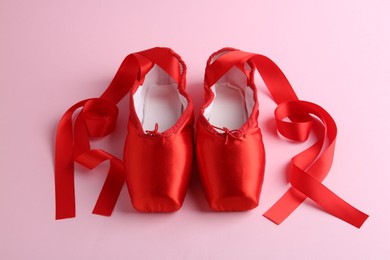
x=308 y=168
x=97 y=119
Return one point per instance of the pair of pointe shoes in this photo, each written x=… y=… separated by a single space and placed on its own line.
x=159 y=149
x=162 y=143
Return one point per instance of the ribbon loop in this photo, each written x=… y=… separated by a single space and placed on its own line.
x=100 y=117
x=300 y=125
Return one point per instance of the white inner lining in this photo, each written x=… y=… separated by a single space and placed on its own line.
x=233 y=101
x=158 y=100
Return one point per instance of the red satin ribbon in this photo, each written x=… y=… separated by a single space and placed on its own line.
x=97 y=119
x=310 y=167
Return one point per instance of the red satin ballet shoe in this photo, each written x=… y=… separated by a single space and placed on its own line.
x=159 y=146
x=229 y=147
x=158 y=152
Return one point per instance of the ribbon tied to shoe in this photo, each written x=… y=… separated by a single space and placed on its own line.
x=96 y=119
x=294 y=120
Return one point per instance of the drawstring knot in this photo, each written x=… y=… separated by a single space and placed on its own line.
x=154 y=132
x=236 y=134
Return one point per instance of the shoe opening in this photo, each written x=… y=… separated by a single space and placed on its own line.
x=158 y=101
x=233 y=100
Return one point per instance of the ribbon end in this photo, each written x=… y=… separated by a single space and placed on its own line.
x=273 y=219
x=100 y=212
x=358 y=223
x=65 y=215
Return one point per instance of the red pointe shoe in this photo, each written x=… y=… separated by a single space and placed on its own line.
x=159 y=146
x=229 y=148
x=158 y=152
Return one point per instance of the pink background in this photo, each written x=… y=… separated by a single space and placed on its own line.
x=55 y=53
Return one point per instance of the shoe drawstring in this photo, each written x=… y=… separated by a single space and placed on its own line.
x=236 y=134
x=154 y=132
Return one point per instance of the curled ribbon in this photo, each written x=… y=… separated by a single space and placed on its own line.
x=310 y=167
x=96 y=119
